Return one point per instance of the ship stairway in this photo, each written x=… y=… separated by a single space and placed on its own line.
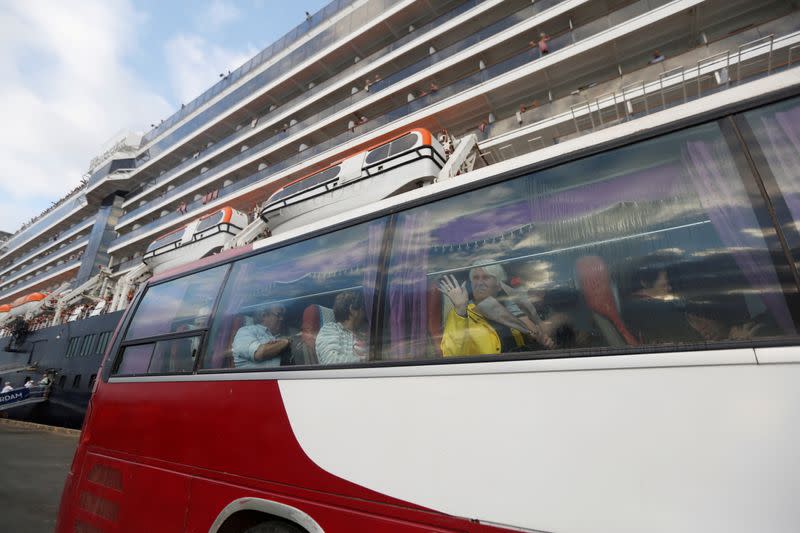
x=23 y=396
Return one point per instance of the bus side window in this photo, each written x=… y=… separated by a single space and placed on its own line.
x=277 y=305
x=178 y=305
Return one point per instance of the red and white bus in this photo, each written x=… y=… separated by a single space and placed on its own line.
x=599 y=336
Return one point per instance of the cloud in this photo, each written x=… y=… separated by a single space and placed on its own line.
x=65 y=89
x=218 y=14
x=195 y=64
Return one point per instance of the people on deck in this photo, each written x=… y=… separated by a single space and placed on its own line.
x=7 y=388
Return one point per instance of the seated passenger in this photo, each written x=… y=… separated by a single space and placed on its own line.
x=258 y=345
x=484 y=325
x=654 y=313
x=342 y=340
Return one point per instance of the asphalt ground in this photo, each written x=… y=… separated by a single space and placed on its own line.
x=34 y=462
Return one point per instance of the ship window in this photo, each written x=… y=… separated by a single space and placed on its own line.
x=103 y=342
x=92 y=379
x=378 y=154
x=86 y=347
x=165 y=240
x=179 y=305
x=62 y=382
x=72 y=348
x=307 y=183
x=76 y=381
x=210 y=221
x=404 y=143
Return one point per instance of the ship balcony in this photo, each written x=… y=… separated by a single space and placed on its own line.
x=460 y=22
x=60 y=256
x=460 y=106
x=52 y=278
x=242 y=96
x=557 y=12
x=50 y=246
x=42 y=230
x=659 y=87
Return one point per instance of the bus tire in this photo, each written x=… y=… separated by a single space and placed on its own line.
x=275 y=526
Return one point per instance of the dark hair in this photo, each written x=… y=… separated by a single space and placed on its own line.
x=346 y=301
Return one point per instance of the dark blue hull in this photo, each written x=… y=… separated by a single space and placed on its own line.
x=73 y=353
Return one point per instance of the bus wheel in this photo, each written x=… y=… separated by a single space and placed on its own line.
x=275 y=526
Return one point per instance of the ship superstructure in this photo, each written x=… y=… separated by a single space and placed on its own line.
x=495 y=78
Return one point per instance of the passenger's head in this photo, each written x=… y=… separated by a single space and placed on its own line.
x=273 y=317
x=349 y=305
x=485 y=279
x=654 y=277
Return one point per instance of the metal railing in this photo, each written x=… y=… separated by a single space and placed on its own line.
x=482 y=75
x=675 y=86
x=349 y=101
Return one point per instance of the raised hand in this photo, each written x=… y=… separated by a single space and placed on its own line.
x=457 y=294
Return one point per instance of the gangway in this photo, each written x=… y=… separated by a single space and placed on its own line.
x=17 y=367
x=24 y=396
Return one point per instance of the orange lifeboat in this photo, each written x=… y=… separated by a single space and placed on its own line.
x=23 y=304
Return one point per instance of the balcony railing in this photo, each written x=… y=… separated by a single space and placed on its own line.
x=71 y=247
x=29 y=233
x=243 y=133
x=514 y=62
x=313 y=46
x=47 y=244
x=44 y=275
x=350 y=101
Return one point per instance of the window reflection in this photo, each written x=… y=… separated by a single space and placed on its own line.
x=307 y=303
x=180 y=305
x=774 y=139
x=655 y=243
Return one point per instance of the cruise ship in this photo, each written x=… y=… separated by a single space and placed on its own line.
x=492 y=81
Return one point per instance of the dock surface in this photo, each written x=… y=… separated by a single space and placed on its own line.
x=34 y=462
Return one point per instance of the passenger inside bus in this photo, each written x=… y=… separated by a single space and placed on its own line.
x=484 y=325
x=343 y=340
x=259 y=345
x=659 y=312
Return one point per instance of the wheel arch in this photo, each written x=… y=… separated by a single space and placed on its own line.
x=249 y=508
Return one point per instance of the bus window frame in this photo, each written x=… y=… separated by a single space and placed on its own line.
x=390 y=212
x=120 y=343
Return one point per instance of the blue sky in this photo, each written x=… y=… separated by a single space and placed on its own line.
x=73 y=75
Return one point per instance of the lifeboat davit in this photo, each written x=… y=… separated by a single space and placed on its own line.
x=405 y=162
x=201 y=237
x=23 y=304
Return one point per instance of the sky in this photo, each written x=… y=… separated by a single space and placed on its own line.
x=75 y=75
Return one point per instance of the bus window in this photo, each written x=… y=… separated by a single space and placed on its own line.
x=653 y=243
x=174 y=356
x=134 y=359
x=772 y=135
x=178 y=305
x=276 y=306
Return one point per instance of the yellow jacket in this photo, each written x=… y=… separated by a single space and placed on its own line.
x=472 y=335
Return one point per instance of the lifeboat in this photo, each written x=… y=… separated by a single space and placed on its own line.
x=201 y=237
x=26 y=303
x=405 y=162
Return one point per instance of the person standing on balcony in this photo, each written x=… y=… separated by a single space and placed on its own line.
x=542 y=44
